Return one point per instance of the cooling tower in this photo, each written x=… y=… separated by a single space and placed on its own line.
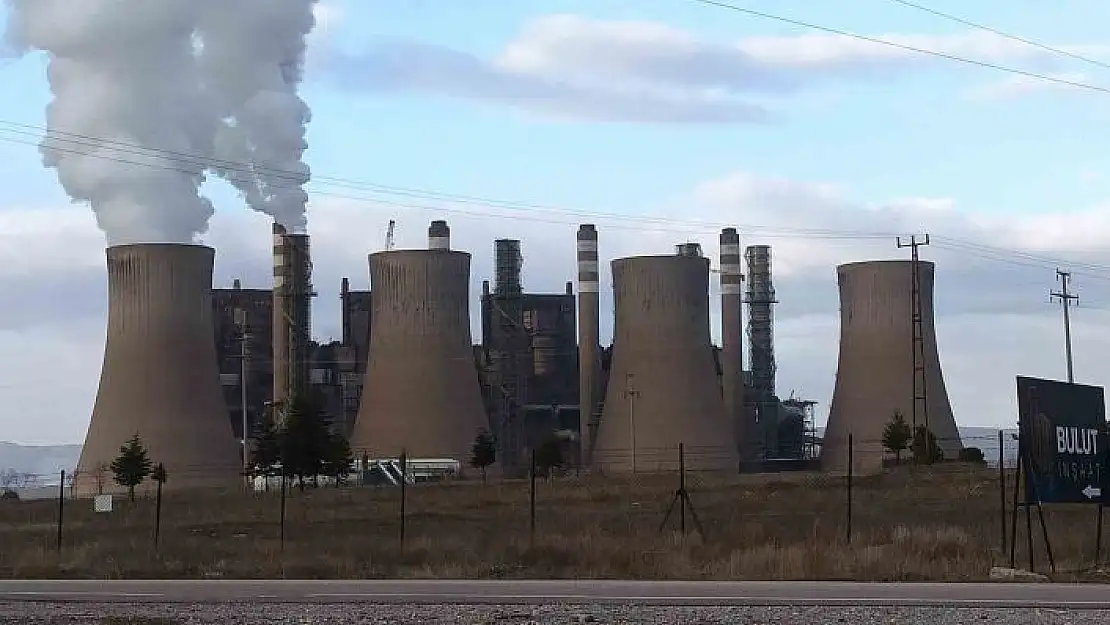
x=160 y=378
x=663 y=388
x=292 y=314
x=421 y=392
x=876 y=367
x=732 y=350
x=589 y=340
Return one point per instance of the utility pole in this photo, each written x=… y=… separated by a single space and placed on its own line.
x=920 y=394
x=244 y=353
x=631 y=393
x=1066 y=298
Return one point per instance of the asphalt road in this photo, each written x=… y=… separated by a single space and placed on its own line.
x=1000 y=595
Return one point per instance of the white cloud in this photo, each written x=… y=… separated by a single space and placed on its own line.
x=994 y=317
x=575 y=67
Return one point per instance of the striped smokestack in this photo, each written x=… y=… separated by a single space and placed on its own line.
x=439 y=235
x=732 y=354
x=589 y=341
x=292 y=324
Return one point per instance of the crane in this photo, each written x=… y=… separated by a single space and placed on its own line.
x=389 y=235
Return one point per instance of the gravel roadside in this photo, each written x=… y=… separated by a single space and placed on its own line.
x=366 y=614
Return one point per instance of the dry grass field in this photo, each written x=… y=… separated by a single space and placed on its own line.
x=935 y=524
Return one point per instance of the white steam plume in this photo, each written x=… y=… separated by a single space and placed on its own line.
x=253 y=60
x=148 y=92
x=126 y=112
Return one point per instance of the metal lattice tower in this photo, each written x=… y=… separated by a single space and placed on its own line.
x=920 y=391
x=514 y=356
x=760 y=298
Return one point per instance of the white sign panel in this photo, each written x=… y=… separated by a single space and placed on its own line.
x=102 y=503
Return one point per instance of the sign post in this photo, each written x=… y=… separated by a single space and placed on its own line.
x=1062 y=451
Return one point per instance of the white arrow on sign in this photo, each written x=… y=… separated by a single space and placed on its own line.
x=1091 y=492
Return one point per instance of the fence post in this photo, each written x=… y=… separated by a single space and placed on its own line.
x=284 y=486
x=1002 y=486
x=851 y=461
x=532 y=502
x=404 y=497
x=61 y=507
x=158 y=505
x=682 y=487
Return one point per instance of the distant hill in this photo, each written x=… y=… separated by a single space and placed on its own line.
x=42 y=461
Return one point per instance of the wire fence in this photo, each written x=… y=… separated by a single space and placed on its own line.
x=680 y=515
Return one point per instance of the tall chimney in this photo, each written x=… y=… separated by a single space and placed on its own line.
x=345 y=315
x=732 y=349
x=292 y=293
x=589 y=341
x=439 y=235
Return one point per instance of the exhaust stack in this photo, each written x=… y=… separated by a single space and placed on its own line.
x=292 y=321
x=589 y=340
x=732 y=350
x=439 y=235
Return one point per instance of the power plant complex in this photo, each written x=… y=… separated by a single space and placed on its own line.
x=195 y=370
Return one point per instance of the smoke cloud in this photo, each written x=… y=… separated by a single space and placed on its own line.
x=150 y=95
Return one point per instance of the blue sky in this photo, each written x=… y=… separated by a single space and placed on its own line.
x=909 y=133
x=617 y=106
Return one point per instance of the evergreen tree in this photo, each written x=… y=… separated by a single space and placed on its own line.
x=897 y=435
x=267 y=448
x=305 y=439
x=338 y=461
x=132 y=466
x=926 y=450
x=549 y=456
x=484 y=452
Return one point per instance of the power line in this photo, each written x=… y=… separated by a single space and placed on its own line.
x=1000 y=33
x=659 y=223
x=902 y=46
x=521 y=211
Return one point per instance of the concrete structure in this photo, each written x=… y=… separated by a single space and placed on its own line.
x=875 y=370
x=292 y=324
x=732 y=348
x=663 y=388
x=589 y=339
x=421 y=392
x=160 y=378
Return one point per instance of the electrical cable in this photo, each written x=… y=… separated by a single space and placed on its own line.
x=57 y=139
x=902 y=46
x=1000 y=33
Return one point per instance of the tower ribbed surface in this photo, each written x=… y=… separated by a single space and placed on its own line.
x=421 y=392
x=875 y=369
x=160 y=377
x=661 y=340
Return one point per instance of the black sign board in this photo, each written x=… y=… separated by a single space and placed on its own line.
x=1063 y=440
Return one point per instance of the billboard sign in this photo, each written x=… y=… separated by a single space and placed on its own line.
x=1064 y=440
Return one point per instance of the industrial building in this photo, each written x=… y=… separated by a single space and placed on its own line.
x=243 y=324
x=429 y=389
x=888 y=362
x=160 y=379
x=663 y=387
x=421 y=394
x=528 y=360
